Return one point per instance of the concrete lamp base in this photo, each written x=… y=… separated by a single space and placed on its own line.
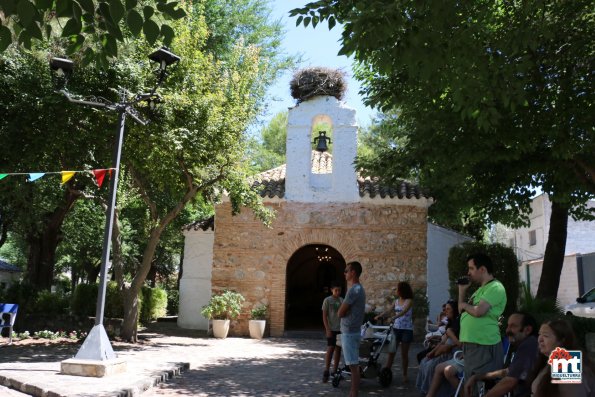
x=93 y=368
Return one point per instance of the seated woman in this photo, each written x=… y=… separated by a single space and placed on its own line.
x=450 y=369
x=443 y=351
x=553 y=334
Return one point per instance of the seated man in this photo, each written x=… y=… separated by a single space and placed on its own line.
x=522 y=333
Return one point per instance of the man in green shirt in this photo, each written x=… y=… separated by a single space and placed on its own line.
x=480 y=334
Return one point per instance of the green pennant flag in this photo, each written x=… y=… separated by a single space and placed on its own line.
x=2 y=176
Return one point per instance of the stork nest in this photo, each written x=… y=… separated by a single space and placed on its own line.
x=310 y=82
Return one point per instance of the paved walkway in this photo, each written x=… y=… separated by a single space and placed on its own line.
x=231 y=367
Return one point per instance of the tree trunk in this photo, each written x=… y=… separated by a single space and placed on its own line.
x=42 y=247
x=554 y=253
x=41 y=259
x=131 y=292
x=129 y=326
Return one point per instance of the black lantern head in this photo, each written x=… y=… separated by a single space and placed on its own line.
x=321 y=142
x=164 y=57
x=62 y=66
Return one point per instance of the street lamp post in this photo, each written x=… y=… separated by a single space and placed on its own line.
x=97 y=345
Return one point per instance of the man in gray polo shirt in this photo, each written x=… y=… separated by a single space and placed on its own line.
x=352 y=316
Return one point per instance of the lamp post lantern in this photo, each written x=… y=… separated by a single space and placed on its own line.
x=97 y=345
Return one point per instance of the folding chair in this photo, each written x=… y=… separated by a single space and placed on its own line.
x=8 y=313
x=458 y=356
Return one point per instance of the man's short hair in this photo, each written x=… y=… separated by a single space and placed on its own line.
x=528 y=321
x=480 y=259
x=336 y=284
x=356 y=266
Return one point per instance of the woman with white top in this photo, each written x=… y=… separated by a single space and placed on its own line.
x=402 y=313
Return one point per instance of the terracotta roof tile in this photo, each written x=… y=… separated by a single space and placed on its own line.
x=372 y=187
x=203 y=224
x=271 y=183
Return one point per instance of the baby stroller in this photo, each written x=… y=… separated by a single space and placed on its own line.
x=374 y=338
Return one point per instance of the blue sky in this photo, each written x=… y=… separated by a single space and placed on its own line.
x=318 y=47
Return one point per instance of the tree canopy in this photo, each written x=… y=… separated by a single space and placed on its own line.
x=94 y=28
x=189 y=154
x=494 y=99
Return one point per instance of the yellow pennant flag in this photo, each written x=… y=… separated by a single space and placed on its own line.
x=67 y=175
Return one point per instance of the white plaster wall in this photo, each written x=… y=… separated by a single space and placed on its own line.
x=195 y=285
x=8 y=278
x=581 y=235
x=440 y=241
x=580 y=238
x=567 y=291
x=300 y=184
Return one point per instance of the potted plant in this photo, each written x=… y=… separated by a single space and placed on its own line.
x=257 y=322
x=221 y=309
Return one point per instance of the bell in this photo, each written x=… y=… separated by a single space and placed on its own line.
x=321 y=141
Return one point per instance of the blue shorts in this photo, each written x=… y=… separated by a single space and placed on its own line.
x=350 y=346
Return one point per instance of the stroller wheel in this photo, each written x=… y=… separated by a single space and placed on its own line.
x=385 y=377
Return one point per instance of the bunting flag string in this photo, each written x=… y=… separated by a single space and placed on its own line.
x=99 y=175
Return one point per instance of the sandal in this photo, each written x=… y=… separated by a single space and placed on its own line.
x=325 y=376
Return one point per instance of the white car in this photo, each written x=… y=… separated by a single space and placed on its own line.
x=584 y=306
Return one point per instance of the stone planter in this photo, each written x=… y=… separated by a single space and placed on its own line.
x=256 y=328
x=220 y=328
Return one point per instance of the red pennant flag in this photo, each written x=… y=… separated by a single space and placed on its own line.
x=99 y=176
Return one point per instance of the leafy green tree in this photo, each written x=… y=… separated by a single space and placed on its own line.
x=36 y=132
x=191 y=152
x=193 y=149
x=93 y=28
x=268 y=150
x=494 y=101
x=80 y=250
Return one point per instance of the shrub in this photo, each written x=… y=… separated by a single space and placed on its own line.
x=154 y=304
x=224 y=306
x=506 y=269
x=51 y=303
x=22 y=293
x=259 y=313
x=84 y=300
x=420 y=305
x=173 y=302
x=114 y=305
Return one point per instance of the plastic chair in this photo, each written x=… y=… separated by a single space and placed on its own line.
x=458 y=356
x=11 y=310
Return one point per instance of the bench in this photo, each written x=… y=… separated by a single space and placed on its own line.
x=8 y=313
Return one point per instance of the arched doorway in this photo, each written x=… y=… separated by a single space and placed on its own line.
x=310 y=273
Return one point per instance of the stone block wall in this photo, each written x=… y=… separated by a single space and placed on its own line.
x=389 y=240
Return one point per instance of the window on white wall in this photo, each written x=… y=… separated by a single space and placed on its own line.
x=532 y=238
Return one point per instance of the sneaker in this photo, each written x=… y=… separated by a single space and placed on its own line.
x=325 y=377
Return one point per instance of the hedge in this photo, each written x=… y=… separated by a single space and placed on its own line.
x=154 y=304
x=506 y=269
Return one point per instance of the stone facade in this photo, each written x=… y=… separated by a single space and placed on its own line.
x=388 y=240
x=326 y=216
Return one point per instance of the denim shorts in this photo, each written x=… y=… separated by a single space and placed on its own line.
x=350 y=345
